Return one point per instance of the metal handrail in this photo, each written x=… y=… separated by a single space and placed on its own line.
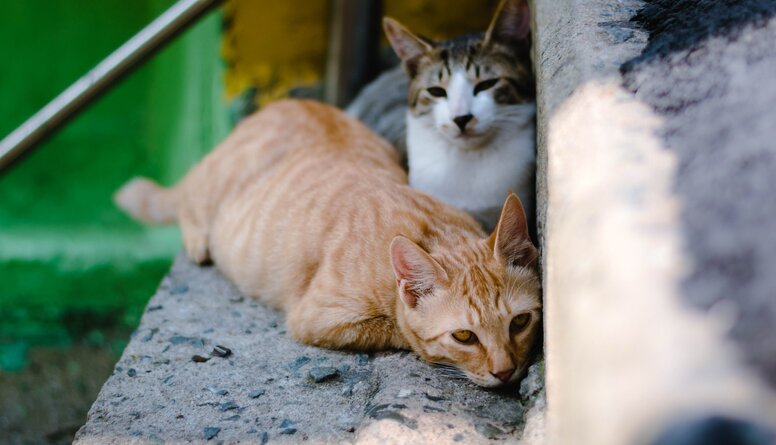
x=102 y=77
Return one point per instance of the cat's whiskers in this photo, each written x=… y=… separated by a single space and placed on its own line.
x=511 y=118
x=450 y=371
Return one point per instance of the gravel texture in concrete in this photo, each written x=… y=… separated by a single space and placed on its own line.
x=173 y=383
x=709 y=70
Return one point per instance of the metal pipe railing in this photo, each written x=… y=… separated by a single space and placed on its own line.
x=102 y=77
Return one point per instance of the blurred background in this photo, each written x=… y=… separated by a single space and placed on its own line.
x=75 y=273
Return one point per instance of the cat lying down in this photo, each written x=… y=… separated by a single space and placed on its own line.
x=307 y=210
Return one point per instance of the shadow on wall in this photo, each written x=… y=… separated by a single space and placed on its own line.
x=675 y=25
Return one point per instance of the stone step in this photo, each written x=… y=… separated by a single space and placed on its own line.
x=270 y=389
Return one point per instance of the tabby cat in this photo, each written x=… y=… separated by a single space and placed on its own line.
x=309 y=211
x=468 y=108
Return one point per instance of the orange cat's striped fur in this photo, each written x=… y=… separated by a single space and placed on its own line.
x=307 y=210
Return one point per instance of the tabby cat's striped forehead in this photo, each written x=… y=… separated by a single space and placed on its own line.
x=487 y=287
x=479 y=62
x=472 y=265
x=473 y=269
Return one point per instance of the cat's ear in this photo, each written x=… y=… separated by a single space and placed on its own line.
x=416 y=272
x=511 y=24
x=511 y=242
x=407 y=45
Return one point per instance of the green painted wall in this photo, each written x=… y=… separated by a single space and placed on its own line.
x=65 y=250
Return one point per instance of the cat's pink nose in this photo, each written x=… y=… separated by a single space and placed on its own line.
x=461 y=121
x=504 y=376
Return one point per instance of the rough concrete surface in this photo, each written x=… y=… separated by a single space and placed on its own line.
x=710 y=70
x=270 y=389
x=627 y=359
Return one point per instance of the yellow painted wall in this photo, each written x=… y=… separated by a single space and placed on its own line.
x=276 y=45
x=441 y=19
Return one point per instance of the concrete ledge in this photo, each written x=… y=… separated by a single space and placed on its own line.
x=265 y=391
x=625 y=358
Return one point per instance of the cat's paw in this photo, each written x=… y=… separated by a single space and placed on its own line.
x=196 y=247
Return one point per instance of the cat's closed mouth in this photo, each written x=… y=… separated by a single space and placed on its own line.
x=467 y=135
x=471 y=141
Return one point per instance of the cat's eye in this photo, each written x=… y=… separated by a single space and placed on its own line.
x=437 y=92
x=465 y=336
x=485 y=85
x=519 y=323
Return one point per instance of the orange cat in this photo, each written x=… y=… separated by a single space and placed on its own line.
x=307 y=210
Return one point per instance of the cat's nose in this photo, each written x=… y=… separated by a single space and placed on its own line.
x=462 y=120
x=504 y=376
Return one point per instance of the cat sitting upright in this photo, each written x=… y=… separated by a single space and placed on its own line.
x=310 y=212
x=469 y=110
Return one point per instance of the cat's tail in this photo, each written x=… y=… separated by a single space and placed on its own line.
x=148 y=202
